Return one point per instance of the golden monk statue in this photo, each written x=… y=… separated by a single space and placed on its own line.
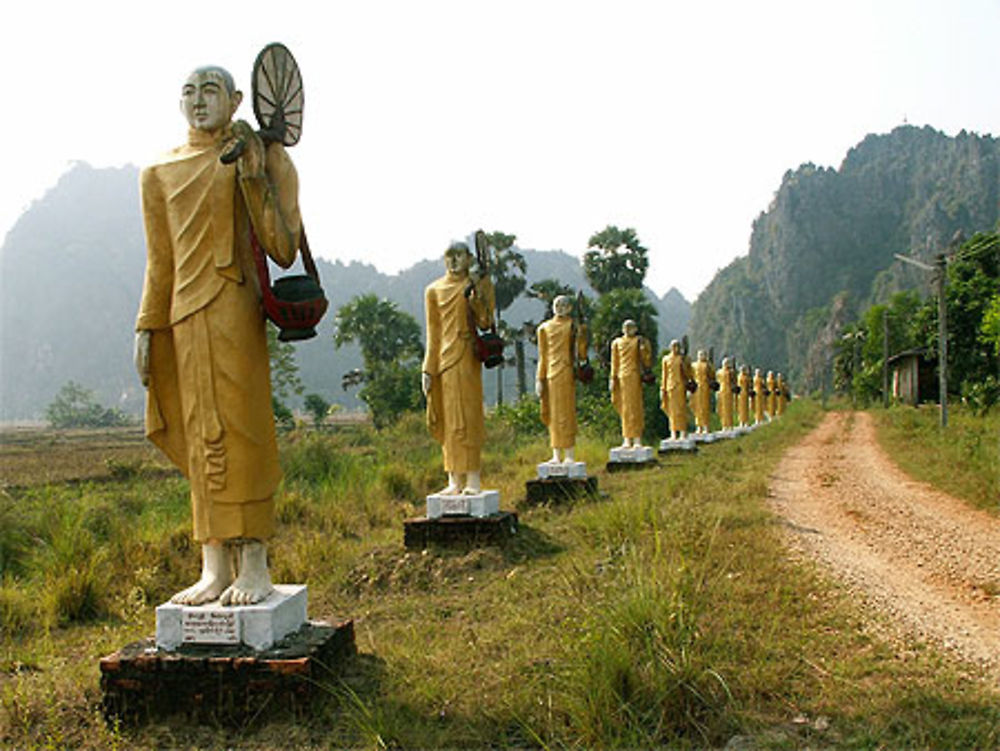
x=701 y=399
x=759 y=397
x=630 y=355
x=782 y=397
x=745 y=384
x=201 y=344
x=455 y=305
x=771 y=403
x=724 y=399
x=560 y=345
x=675 y=374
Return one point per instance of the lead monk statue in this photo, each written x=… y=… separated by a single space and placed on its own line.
x=201 y=344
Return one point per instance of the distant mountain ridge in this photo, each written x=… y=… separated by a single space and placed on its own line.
x=823 y=250
x=71 y=275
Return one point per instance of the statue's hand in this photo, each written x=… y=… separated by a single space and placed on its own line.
x=253 y=156
x=141 y=355
x=539 y=387
x=611 y=384
x=425 y=383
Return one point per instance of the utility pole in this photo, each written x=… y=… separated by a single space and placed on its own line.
x=885 y=357
x=942 y=276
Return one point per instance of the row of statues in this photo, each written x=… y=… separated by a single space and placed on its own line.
x=737 y=394
x=201 y=345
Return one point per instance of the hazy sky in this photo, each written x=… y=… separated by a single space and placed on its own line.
x=549 y=120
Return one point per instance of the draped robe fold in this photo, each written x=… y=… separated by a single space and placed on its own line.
x=556 y=341
x=724 y=398
x=629 y=355
x=455 y=401
x=743 y=398
x=676 y=370
x=208 y=403
x=701 y=399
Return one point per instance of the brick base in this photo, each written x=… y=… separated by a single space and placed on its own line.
x=460 y=530
x=560 y=489
x=220 y=683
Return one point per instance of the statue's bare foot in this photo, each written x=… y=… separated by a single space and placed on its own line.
x=216 y=575
x=253 y=583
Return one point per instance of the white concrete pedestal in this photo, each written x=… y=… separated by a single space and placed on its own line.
x=484 y=503
x=568 y=470
x=677 y=444
x=631 y=455
x=258 y=626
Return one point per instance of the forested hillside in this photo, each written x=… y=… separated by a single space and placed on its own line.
x=823 y=250
x=71 y=275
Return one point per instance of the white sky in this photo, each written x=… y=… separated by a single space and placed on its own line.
x=549 y=120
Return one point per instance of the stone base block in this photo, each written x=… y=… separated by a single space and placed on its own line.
x=703 y=437
x=224 y=684
x=636 y=454
x=472 y=531
x=680 y=446
x=572 y=470
x=558 y=489
x=481 y=504
x=258 y=626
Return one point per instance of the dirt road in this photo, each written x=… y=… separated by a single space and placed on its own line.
x=928 y=561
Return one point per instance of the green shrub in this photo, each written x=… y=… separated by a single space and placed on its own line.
x=18 y=611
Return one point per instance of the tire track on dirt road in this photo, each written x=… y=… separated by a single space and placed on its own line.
x=927 y=560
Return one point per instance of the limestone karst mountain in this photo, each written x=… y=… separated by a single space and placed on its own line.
x=824 y=247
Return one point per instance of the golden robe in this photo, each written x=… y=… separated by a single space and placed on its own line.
x=675 y=373
x=759 y=399
x=701 y=399
x=771 y=405
x=208 y=403
x=629 y=356
x=743 y=398
x=781 y=401
x=455 y=400
x=724 y=397
x=556 y=371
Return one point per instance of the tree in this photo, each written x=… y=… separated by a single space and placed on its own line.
x=77 y=407
x=285 y=381
x=318 y=407
x=382 y=330
x=507 y=267
x=618 y=261
x=391 y=349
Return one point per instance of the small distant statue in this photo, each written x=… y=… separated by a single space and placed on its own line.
x=561 y=346
x=201 y=344
x=744 y=385
x=724 y=399
x=759 y=396
x=676 y=374
x=701 y=399
x=782 y=398
x=771 y=404
x=457 y=305
x=631 y=357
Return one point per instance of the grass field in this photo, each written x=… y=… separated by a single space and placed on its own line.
x=666 y=614
x=962 y=459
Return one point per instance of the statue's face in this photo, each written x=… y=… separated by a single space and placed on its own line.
x=702 y=355
x=630 y=328
x=675 y=347
x=457 y=260
x=725 y=362
x=562 y=306
x=206 y=103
